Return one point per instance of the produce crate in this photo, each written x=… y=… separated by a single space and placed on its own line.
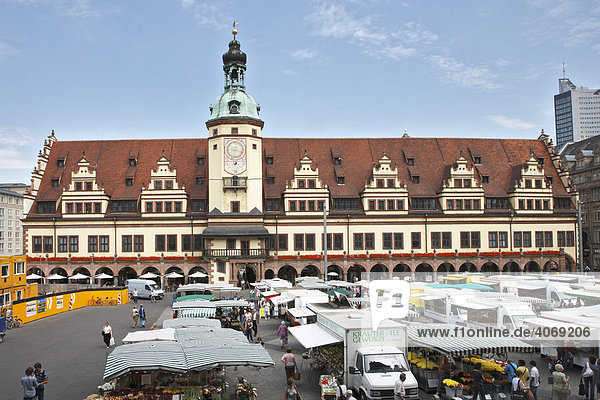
x=453 y=392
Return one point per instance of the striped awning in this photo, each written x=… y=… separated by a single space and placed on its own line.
x=195 y=349
x=191 y=322
x=441 y=338
x=200 y=312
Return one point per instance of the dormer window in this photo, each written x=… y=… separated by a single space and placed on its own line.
x=199 y=180
x=54 y=183
x=269 y=160
x=416 y=179
x=541 y=162
x=340 y=180
x=88 y=186
x=528 y=183
x=234 y=131
x=549 y=180
x=78 y=186
x=337 y=161
x=158 y=185
x=311 y=184
x=132 y=162
x=301 y=183
x=457 y=183
x=200 y=160
x=270 y=180
x=485 y=179
x=129 y=182
x=234 y=107
x=168 y=184
x=60 y=163
x=410 y=162
x=215 y=132
x=477 y=160
x=391 y=183
x=380 y=183
x=254 y=132
x=538 y=183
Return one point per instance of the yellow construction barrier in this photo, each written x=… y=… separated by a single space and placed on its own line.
x=44 y=306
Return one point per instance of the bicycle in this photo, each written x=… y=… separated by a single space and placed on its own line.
x=109 y=302
x=95 y=302
x=13 y=322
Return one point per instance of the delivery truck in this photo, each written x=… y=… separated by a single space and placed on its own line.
x=373 y=360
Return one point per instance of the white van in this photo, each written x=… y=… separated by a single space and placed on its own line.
x=144 y=288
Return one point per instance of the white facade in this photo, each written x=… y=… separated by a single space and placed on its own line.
x=11 y=230
x=577 y=112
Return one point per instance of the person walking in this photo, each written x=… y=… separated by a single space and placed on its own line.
x=42 y=378
x=135 y=295
x=560 y=384
x=255 y=321
x=596 y=369
x=267 y=311
x=248 y=326
x=399 y=390
x=478 y=388
x=510 y=370
x=107 y=334
x=29 y=384
x=291 y=392
x=142 y=312
x=350 y=395
x=289 y=361
x=588 y=378
x=153 y=296
x=518 y=388
x=282 y=332
x=340 y=388
x=135 y=316
x=524 y=371
x=534 y=379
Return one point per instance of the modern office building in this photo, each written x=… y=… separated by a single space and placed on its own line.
x=576 y=113
x=239 y=203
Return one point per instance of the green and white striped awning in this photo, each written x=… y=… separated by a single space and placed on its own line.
x=442 y=338
x=195 y=349
x=200 y=312
x=191 y=322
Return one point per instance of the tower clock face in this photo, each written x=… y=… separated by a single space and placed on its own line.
x=235 y=156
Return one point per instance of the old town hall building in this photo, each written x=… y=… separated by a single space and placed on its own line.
x=237 y=201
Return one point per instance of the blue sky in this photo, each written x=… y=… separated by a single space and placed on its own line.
x=150 y=68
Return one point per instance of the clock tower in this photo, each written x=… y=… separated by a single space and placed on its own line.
x=234 y=144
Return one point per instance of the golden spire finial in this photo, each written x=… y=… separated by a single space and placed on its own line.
x=234 y=31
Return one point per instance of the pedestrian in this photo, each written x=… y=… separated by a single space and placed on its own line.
x=524 y=371
x=42 y=378
x=289 y=361
x=153 y=296
x=135 y=295
x=588 y=378
x=107 y=334
x=248 y=326
x=267 y=311
x=399 y=390
x=291 y=392
x=349 y=395
x=534 y=379
x=135 y=316
x=255 y=321
x=518 y=388
x=142 y=312
x=560 y=384
x=29 y=384
x=510 y=370
x=282 y=332
x=596 y=369
x=340 y=389
x=478 y=389
x=260 y=341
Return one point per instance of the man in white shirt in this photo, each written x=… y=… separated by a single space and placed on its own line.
x=534 y=379
x=349 y=395
x=399 y=390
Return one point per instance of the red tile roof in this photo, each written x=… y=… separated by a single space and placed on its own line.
x=432 y=156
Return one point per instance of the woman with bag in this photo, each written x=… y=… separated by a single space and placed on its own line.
x=291 y=392
x=588 y=379
x=289 y=361
x=561 y=390
x=282 y=332
x=519 y=389
x=107 y=334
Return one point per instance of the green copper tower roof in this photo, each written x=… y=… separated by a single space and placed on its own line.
x=234 y=102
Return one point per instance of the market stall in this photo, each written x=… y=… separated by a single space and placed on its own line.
x=428 y=351
x=301 y=316
x=194 y=361
x=191 y=322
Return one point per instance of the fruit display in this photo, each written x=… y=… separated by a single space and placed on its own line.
x=329 y=359
x=421 y=362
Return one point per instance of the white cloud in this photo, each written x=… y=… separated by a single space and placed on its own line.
x=69 y=8
x=209 y=14
x=510 y=123
x=304 y=54
x=457 y=72
x=16 y=145
x=6 y=50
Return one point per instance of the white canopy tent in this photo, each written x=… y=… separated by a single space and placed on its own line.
x=312 y=335
x=149 y=275
x=283 y=299
x=197 y=274
x=149 y=336
x=173 y=275
x=104 y=276
x=79 y=276
x=332 y=273
x=34 y=276
x=55 y=277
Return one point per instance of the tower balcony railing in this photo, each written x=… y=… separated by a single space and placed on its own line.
x=235 y=182
x=236 y=253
